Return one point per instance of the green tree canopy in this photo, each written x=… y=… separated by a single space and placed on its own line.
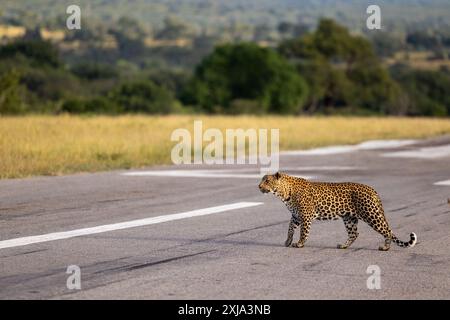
x=429 y=90
x=246 y=72
x=342 y=70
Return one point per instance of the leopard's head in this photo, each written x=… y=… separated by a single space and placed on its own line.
x=277 y=184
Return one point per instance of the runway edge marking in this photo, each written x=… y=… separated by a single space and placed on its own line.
x=196 y=174
x=17 y=242
x=442 y=183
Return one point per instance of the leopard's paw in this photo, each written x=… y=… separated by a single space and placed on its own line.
x=288 y=242
x=342 y=246
x=297 y=245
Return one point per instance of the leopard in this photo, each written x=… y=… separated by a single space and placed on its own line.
x=309 y=200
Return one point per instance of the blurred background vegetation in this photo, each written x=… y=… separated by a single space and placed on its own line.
x=228 y=57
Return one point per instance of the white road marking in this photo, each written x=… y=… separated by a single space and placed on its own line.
x=123 y=225
x=323 y=168
x=191 y=174
x=320 y=151
x=443 y=183
x=298 y=168
x=367 y=145
x=198 y=174
x=233 y=173
x=421 y=153
x=384 y=144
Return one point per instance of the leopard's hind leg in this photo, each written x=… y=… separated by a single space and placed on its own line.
x=371 y=211
x=351 y=224
x=377 y=220
x=380 y=225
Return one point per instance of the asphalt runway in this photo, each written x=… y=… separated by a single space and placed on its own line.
x=207 y=232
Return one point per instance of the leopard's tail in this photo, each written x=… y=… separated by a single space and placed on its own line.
x=405 y=244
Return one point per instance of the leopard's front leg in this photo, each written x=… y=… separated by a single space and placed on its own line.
x=304 y=233
x=293 y=225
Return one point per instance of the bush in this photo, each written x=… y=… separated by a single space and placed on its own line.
x=51 y=84
x=145 y=97
x=73 y=106
x=99 y=105
x=10 y=97
x=242 y=106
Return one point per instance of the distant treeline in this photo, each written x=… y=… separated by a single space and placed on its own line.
x=327 y=71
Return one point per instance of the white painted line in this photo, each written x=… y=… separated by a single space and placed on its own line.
x=323 y=168
x=442 y=183
x=385 y=144
x=299 y=168
x=123 y=225
x=367 y=145
x=422 y=153
x=197 y=174
x=191 y=174
x=320 y=151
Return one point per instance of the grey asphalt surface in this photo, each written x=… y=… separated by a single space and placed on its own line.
x=237 y=254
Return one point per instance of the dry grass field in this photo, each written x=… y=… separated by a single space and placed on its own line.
x=49 y=145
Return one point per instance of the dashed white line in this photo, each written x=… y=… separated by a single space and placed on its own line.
x=320 y=151
x=191 y=174
x=323 y=168
x=367 y=145
x=197 y=174
x=123 y=225
x=442 y=183
x=422 y=153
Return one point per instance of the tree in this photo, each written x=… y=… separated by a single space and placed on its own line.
x=130 y=38
x=374 y=89
x=246 y=72
x=342 y=70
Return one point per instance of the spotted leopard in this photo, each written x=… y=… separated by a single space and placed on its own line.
x=308 y=201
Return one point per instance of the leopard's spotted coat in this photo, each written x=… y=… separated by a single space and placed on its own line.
x=308 y=201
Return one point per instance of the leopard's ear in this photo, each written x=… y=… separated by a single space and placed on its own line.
x=277 y=175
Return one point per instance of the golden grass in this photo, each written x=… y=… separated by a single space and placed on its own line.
x=48 y=145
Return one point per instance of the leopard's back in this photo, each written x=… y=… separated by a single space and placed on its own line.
x=332 y=200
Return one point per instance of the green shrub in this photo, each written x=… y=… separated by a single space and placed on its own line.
x=10 y=94
x=144 y=97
